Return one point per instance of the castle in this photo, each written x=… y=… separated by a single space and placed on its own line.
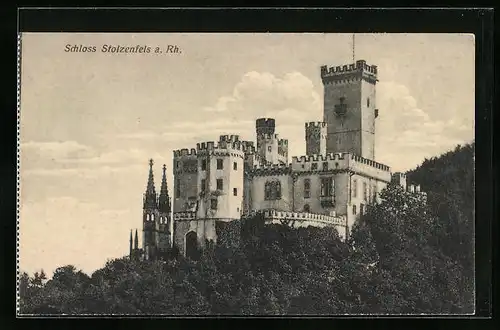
x=231 y=179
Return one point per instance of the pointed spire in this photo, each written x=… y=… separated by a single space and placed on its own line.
x=136 y=243
x=150 y=195
x=164 y=200
x=130 y=243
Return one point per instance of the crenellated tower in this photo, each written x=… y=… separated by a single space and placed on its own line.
x=270 y=148
x=350 y=108
x=316 y=133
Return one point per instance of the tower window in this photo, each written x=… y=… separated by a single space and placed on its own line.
x=325 y=166
x=213 y=204
x=354 y=188
x=220 y=165
x=203 y=164
x=368 y=102
x=147 y=217
x=178 y=188
x=203 y=184
x=307 y=208
x=327 y=187
x=354 y=211
x=272 y=190
x=235 y=191
x=307 y=188
x=269 y=148
x=219 y=184
x=235 y=166
x=362 y=208
x=314 y=166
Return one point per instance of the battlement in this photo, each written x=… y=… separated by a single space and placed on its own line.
x=341 y=162
x=271 y=122
x=315 y=124
x=184 y=152
x=265 y=126
x=360 y=68
x=371 y=163
x=360 y=65
x=397 y=175
x=264 y=169
x=283 y=142
x=221 y=145
x=248 y=146
x=229 y=138
x=320 y=158
x=186 y=215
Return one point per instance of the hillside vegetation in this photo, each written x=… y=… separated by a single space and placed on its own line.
x=405 y=256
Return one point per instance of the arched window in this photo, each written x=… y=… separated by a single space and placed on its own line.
x=152 y=217
x=272 y=190
x=307 y=208
x=147 y=217
x=191 y=245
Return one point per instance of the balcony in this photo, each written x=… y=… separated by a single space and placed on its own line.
x=327 y=201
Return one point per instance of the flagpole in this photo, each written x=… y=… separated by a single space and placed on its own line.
x=353 y=48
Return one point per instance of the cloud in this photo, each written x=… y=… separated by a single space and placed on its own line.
x=64 y=230
x=56 y=150
x=261 y=94
x=406 y=134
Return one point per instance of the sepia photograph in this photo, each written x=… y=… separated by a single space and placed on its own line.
x=240 y=174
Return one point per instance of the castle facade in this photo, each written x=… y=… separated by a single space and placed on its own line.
x=229 y=179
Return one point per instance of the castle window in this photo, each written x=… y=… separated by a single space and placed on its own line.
x=375 y=194
x=307 y=188
x=203 y=164
x=219 y=184
x=325 y=166
x=327 y=187
x=152 y=217
x=272 y=190
x=147 y=217
x=269 y=149
x=368 y=102
x=362 y=208
x=365 y=192
x=354 y=188
x=213 y=204
x=178 y=188
x=220 y=165
x=235 y=166
x=307 y=208
x=314 y=166
x=203 y=185
x=178 y=164
x=354 y=211
x=235 y=191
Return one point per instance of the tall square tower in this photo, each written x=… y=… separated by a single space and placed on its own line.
x=349 y=108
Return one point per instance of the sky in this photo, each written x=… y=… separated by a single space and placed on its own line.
x=89 y=122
